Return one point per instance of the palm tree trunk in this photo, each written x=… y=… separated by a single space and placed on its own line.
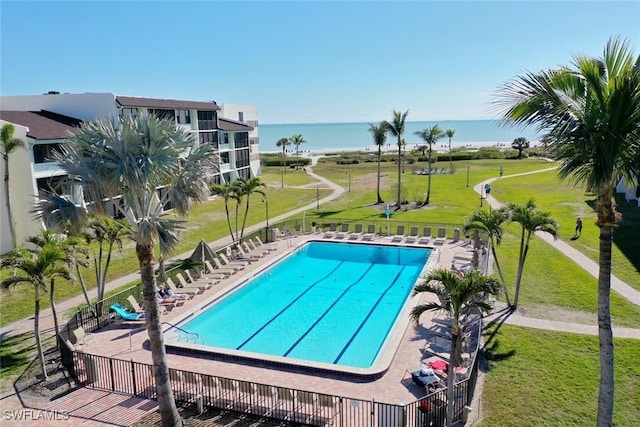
x=166 y=403
x=7 y=195
x=378 y=186
x=504 y=283
x=36 y=331
x=83 y=285
x=226 y=208
x=244 y=221
x=105 y=270
x=520 y=266
x=450 y=157
x=399 y=172
x=605 y=334
x=54 y=312
x=451 y=370
x=429 y=179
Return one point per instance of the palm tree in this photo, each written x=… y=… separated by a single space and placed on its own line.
x=132 y=161
x=396 y=127
x=36 y=268
x=379 y=134
x=490 y=223
x=9 y=145
x=247 y=188
x=449 y=134
x=296 y=140
x=531 y=220
x=591 y=114
x=430 y=136
x=456 y=295
x=283 y=142
x=227 y=192
x=520 y=144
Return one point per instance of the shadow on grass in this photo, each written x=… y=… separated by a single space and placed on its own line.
x=16 y=352
x=491 y=351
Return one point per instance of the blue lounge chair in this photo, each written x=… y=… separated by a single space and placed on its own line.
x=125 y=315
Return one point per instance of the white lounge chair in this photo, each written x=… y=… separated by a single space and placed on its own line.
x=344 y=230
x=333 y=227
x=189 y=291
x=371 y=232
x=442 y=236
x=426 y=236
x=413 y=235
x=268 y=247
x=356 y=233
x=399 y=236
x=202 y=285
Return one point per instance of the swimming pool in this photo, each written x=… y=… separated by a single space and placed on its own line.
x=327 y=303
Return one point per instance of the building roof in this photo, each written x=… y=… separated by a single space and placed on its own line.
x=167 y=104
x=43 y=124
x=232 y=125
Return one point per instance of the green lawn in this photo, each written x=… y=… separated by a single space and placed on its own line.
x=543 y=378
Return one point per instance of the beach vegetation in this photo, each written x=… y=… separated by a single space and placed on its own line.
x=228 y=193
x=520 y=144
x=449 y=134
x=247 y=187
x=591 y=113
x=283 y=143
x=297 y=140
x=430 y=135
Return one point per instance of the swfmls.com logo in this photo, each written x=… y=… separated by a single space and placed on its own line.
x=34 y=415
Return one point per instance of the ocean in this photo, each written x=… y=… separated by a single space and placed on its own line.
x=323 y=137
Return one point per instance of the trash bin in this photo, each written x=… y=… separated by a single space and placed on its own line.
x=456 y=234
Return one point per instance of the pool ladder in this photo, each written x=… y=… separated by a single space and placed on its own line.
x=189 y=335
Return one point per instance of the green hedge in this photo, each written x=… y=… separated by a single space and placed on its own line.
x=289 y=161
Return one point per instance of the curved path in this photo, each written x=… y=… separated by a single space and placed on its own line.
x=581 y=260
x=46 y=317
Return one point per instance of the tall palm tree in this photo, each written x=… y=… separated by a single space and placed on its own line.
x=132 y=161
x=247 y=188
x=296 y=140
x=379 y=134
x=490 y=223
x=283 y=142
x=35 y=268
x=430 y=135
x=449 y=134
x=396 y=128
x=591 y=114
x=531 y=220
x=110 y=232
x=456 y=295
x=227 y=192
x=520 y=144
x=9 y=145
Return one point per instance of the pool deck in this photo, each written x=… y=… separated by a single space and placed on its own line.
x=395 y=386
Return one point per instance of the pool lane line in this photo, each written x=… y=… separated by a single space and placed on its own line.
x=286 y=307
x=328 y=310
x=348 y=344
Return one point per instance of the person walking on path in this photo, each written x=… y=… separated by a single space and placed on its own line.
x=501 y=171
x=578 y=227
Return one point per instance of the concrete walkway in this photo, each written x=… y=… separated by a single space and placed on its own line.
x=581 y=260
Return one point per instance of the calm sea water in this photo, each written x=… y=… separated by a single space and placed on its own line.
x=346 y=136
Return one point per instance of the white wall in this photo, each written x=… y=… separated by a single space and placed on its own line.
x=250 y=113
x=84 y=106
x=22 y=193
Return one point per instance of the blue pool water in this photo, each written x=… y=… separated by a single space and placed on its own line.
x=327 y=302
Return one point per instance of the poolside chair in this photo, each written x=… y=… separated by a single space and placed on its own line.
x=356 y=233
x=199 y=274
x=79 y=338
x=399 y=234
x=426 y=236
x=124 y=315
x=333 y=227
x=163 y=308
x=233 y=268
x=245 y=253
x=227 y=262
x=219 y=269
x=203 y=286
x=277 y=234
x=343 y=231
x=268 y=247
x=413 y=235
x=189 y=291
x=442 y=236
x=251 y=248
x=297 y=229
x=371 y=232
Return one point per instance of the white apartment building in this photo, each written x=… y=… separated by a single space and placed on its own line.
x=45 y=121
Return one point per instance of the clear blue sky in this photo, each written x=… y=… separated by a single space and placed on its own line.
x=303 y=61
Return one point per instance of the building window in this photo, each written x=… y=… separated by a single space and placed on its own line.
x=208 y=138
x=183 y=117
x=55 y=184
x=241 y=116
x=163 y=114
x=206 y=120
x=242 y=158
x=244 y=173
x=224 y=157
x=128 y=112
x=225 y=137
x=42 y=152
x=241 y=139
